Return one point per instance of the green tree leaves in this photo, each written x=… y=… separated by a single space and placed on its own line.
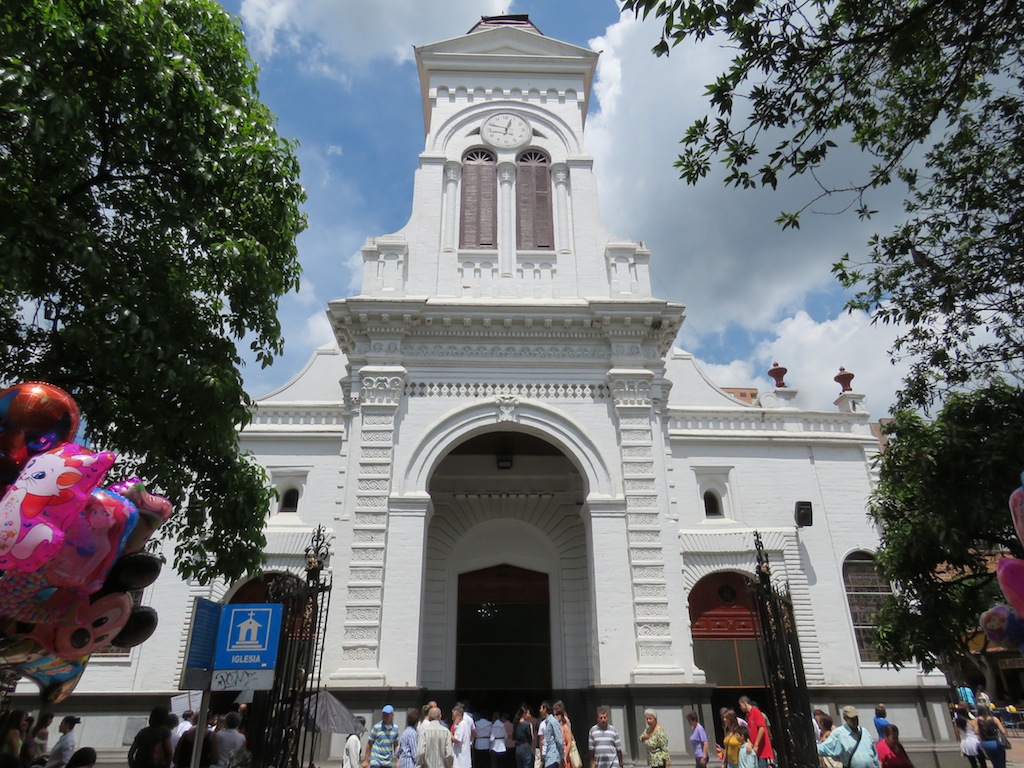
x=941 y=506
x=151 y=211
x=933 y=94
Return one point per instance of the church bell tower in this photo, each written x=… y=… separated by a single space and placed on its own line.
x=504 y=311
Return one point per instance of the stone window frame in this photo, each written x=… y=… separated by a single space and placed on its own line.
x=866 y=589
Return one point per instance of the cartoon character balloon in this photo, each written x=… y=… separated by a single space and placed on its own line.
x=70 y=550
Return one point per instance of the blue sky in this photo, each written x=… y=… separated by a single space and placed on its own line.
x=340 y=77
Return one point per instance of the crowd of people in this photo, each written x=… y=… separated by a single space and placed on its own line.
x=25 y=742
x=166 y=742
x=467 y=741
x=982 y=734
x=544 y=740
x=170 y=742
x=526 y=740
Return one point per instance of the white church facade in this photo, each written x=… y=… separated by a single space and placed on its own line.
x=529 y=491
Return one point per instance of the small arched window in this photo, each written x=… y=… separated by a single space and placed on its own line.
x=712 y=504
x=866 y=592
x=479 y=219
x=290 y=501
x=534 y=229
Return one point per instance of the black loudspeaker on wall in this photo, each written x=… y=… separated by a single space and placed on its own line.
x=803 y=514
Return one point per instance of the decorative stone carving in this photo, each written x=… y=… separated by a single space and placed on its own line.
x=636 y=451
x=631 y=391
x=653 y=630
x=360 y=654
x=368 y=555
x=371 y=501
x=638 y=468
x=507 y=351
x=360 y=633
x=649 y=572
x=655 y=651
x=578 y=392
x=639 y=555
x=635 y=435
x=506 y=408
x=382 y=390
x=362 y=614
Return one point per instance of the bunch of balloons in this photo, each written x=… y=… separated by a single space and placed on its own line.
x=1004 y=624
x=71 y=551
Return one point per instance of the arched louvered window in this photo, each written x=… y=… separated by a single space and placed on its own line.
x=479 y=196
x=866 y=592
x=534 y=229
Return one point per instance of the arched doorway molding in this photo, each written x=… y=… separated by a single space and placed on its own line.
x=511 y=414
x=708 y=552
x=732 y=549
x=535 y=534
x=524 y=546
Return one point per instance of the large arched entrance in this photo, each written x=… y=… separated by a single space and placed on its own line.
x=726 y=639
x=506 y=611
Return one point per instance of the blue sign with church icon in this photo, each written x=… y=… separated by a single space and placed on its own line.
x=248 y=636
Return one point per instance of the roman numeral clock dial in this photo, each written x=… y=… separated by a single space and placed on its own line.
x=506 y=131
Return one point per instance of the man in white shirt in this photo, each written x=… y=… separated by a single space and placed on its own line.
x=65 y=746
x=434 y=746
x=462 y=738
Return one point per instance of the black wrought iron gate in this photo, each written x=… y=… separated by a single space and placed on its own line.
x=277 y=731
x=793 y=737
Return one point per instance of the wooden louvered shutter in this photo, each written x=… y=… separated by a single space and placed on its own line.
x=479 y=196
x=533 y=202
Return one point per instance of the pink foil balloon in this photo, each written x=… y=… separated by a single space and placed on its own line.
x=1010 y=572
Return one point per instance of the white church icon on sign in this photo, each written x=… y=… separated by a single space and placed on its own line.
x=249 y=634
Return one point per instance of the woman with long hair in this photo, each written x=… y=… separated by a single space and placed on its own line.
x=989 y=729
x=563 y=718
x=37 y=744
x=13 y=732
x=729 y=751
x=967 y=733
x=522 y=735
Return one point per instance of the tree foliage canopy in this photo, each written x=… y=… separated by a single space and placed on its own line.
x=150 y=215
x=941 y=504
x=933 y=92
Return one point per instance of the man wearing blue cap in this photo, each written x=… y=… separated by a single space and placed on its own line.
x=380 y=749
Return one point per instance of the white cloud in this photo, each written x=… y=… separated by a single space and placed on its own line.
x=715 y=249
x=307 y=295
x=813 y=353
x=355 y=33
x=333 y=150
x=318 y=330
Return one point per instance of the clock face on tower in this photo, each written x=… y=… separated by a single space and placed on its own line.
x=506 y=131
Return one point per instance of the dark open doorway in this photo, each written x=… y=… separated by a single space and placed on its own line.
x=503 y=636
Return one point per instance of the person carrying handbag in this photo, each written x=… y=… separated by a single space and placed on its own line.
x=993 y=737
